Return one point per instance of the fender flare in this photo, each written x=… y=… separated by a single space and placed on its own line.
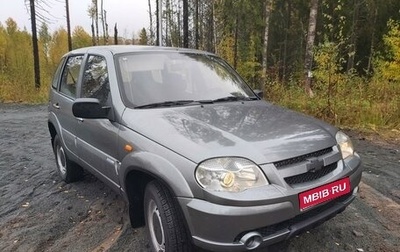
x=157 y=167
x=52 y=119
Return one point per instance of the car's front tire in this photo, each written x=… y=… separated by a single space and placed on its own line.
x=164 y=221
x=68 y=170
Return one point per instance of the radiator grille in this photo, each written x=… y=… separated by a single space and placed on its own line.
x=302 y=158
x=310 y=176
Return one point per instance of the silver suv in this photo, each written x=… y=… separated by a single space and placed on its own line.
x=201 y=159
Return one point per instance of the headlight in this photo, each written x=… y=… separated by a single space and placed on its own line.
x=346 y=146
x=229 y=174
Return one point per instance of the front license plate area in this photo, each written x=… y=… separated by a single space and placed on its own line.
x=324 y=193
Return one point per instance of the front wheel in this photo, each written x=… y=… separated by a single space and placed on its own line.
x=68 y=170
x=164 y=220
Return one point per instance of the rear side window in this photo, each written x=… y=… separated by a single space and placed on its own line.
x=70 y=76
x=95 y=80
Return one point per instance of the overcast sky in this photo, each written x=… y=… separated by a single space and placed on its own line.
x=130 y=15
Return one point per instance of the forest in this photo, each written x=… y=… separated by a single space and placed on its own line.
x=338 y=60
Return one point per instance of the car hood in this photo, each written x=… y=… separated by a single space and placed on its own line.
x=256 y=130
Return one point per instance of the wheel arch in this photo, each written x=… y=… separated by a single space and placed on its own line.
x=140 y=168
x=53 y=131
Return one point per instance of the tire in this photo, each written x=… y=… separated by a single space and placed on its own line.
x=164 y=220
x=68 y=170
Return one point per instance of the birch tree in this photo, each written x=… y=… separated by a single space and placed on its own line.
x=312 y=24
x=268 y=9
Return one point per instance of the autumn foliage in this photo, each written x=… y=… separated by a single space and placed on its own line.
x=349 y=90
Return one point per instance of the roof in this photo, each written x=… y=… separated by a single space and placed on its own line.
x=119 y=49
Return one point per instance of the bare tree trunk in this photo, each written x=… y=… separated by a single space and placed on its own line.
x=115 y=34
x=185 y=24
x=169 y=29
x=235 y=45
x=196 y=25
x=103 y=22
x=201 y=26
x=312 y=24
x=167 y=10
x=268 y=9
x=214 y=28
x=208 y=29
x=159 y=21
x=96 y=15
x=35 y=44
x=371 y=50
x=151 y=24
x=285 y=44
x=179 y=28
x=68 y=25
x=93 y=33
x=353 y=39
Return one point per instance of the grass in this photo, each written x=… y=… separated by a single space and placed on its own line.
x=351 y=103
x=22 y=92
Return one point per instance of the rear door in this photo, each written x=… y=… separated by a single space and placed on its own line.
x=63 y=94
x=97 y=138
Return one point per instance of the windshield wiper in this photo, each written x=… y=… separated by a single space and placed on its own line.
x=165 y=104
x=253 y=98
x=232 y=98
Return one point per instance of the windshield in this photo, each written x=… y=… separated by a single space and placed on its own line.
x=162 y=77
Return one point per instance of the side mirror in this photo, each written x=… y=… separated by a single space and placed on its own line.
x=89 y=108
x=259 y=93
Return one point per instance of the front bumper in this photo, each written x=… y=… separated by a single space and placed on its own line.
x=218 y=227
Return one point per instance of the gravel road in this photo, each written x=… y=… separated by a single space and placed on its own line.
x=39 y=212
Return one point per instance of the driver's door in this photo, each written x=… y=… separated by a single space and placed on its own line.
x=97 y=138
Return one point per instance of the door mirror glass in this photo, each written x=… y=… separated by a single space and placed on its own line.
x=89 y=108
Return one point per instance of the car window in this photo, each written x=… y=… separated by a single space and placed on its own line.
x=70 y=76
x=95 y=81
x=169 y=76
x=56 y=76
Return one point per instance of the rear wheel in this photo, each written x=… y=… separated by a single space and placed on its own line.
x=164 y=220
x=68 y=170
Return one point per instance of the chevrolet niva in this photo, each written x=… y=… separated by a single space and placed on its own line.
x=200 y=158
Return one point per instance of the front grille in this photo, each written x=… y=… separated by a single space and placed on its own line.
x=272 y=229
x=310 y=176
x=302 y=158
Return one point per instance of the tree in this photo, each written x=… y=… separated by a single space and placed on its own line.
x=268 y=9
x=312 y=24
x=103 y=23
x=59 y=46
x=185 y=24
x=389 y=66
x=143 y=40
x=115 y=34
x=80 y=38
x=45 y=38
x=94 y=16
x=151 y=22
x=35 y=46
x=158 y=26
x=68 y=26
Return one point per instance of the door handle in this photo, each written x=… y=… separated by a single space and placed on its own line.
x=79 y=119
x=55 y=105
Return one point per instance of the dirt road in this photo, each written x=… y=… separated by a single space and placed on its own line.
x=38 y=212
